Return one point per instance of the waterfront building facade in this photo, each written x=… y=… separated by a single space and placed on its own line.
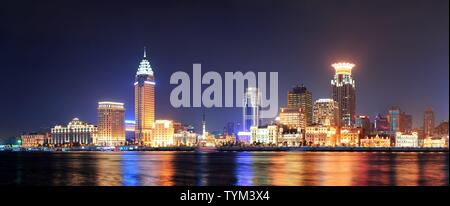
x=301 y=97
x=343 y=92
x=318 y=135
x=77 y=132
x=35 y=139
x=144 y=101
x=376 y=141
x=290 y=137
x=225 y=139
x=406 y=140
x=435 y=142
x=349 y=137
x=326 y=112
x=163 y=134
x=264 y=135
x=185 y=138
x=111 y=124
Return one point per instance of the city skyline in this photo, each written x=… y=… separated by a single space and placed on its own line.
x=74 y=94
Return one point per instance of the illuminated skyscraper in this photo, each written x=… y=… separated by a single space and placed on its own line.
x=343 y=92
x=326 y=112
x=300 y=97
x=111 y=124
x=399 y=121
x=144 y=101
x=428 y=122
x=394 y=119
x=293 y=118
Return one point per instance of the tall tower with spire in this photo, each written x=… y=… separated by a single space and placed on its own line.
x=204 y=134
x=144 y=101
x=343 y=92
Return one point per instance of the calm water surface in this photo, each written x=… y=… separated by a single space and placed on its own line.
x=224 y=168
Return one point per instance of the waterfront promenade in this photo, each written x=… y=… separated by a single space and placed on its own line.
x=227 y=149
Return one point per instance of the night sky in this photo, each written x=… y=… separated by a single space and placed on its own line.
x=59 y=58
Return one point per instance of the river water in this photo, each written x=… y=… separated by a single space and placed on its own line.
x=224 y=168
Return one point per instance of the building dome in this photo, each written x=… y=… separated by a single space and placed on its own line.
x=76 y=122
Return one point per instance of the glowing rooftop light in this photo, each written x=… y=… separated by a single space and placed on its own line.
x=112 y=103
x=343 y=67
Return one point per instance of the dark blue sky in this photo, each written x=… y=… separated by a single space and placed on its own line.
x=59 y=58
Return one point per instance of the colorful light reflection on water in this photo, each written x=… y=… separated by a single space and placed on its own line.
x=232 y=168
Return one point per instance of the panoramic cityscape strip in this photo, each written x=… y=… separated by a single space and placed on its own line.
x=326 y=124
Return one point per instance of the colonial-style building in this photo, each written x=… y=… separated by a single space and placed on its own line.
x=376 y=141
x=319 y=135
x=35 y=139
x=76 y=132
x=264 y=135
x=406 y=140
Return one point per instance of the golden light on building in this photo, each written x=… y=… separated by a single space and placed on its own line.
x=349 y=137
x=35 y=139
x=111 y=124
x=326 y=112
x=144 y=101
x=376 y=141
x=300 y=97
x=163 y=134
x=435 y=142
x=293 y=117
x=319 y=135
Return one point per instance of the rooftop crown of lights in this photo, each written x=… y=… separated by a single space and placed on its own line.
x=343 y=67
x=144 y=66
